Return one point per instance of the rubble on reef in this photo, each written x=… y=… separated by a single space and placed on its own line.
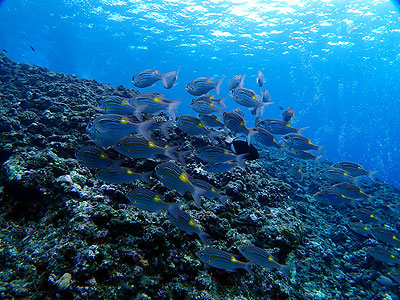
x=66 y=235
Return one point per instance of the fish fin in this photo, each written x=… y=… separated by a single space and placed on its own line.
x=197 y=192
x=139 y=112
x=354 y=203
x=372 y=199
x=240 y=160
x=371 y=175
x=281 y=108
x=286 y=269
x=212 y=136
x=146 y=177
x=223 y=199
x=173 y=109
x=218 y=85
x=181 y=156
x=204 y=237
x=356 y=180
x=318 y=158
x=263 y=105
x=250 y=134
x=320 y=149
x=164 y=127
x=144 y=129
x=300 y=130
x=248 y=268
x=241 y=83
x=117 y=163
x=170 y=152
x=173 y=208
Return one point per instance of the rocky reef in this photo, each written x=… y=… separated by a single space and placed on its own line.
x=66 y=235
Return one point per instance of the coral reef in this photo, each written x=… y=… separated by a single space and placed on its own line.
x=66 y=235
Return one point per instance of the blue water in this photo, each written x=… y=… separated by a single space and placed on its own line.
x=336 y=62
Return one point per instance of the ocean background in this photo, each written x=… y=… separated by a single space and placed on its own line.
x=337 y=63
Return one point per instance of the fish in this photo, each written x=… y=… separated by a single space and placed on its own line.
x=386 y=281
x=264 y=259
x=237 y=124
x=236 y=81
x=300 y=142
x=203 y=85
x=194 y=126
x=109 y=129
x=211 y=120
x=385 y=235
x=122 y=175
x=335 y=175
x=151 y=103
x=276 y=126
x=367 y=216
x=260 y=78
x=266 y=96
x=383 y=255
x=33 y=49
x=211 y=191
x=148 y=200
x=168 y=79
x=300 y=154
x=213 y=154
x=4 y=50
x=287 y=114
x=117 y=105
x=146 y=78
x=138 y=147
x=290 y=236
x=242 y=147
x=248 y=98
x=332 y=197
x=185 y=222
x=352 y=191
x=95 y=158
x=354 y=169
x=174 y=178
x=265 y=138
x=206 y=106
x=297 y=172
x=360 y=228
x=221 y=167
x=221 y=260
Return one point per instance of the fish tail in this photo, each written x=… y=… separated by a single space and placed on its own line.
x=240 y=160
x=319 y=148
x=146 y=177
x=263 y=105
x=144 y=129
x=356 y=180
x=173 y=208
x=223 y=199
x=173 y=109
x=371 y=175
x=164 y=127
x=165 y=80
x=354 y=203
x=204 y=237
x=372 y=199
x=218 y=85
x=241 y=83
x=318 y=158
x=139 y=112
x=181 y=156
x=286 y=269
x=250 y=133
x=197 y=192
x=300 y=130
x=170 y=152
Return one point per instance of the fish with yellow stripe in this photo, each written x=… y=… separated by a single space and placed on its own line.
x=174 y=178
x=213 y=154
x=194 y=126
x=150 y=201
x=385 y=235
x=117 y=105
x=151 y=103
x=203 y=85
x=300 y=142
x=119 y=175
x=221 y=260
x=95 y=158
x=249 y=98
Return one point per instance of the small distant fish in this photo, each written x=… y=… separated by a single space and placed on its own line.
x=194 y=126
x=287 y=114
x=203 y=85
x=248 y=98
x=260 y=78
x=146 y=78
x=266 y=96
x=265 y=138
x=242 y=147
x=383 y=255
x=297 y=172
x=206 y=106
x=221 y=260
x=300 y=142
x=335 y=175
x=185 y=222
x=174 y=178
x=221 y=167
x=264 y=259
x=33 y=49
x=138 y=147
x=211 y=191
x=211 y=120
x=354 y=169
x=385 y=235
x=213 y=154
x=4 y=50
x=168 y=79
x=351 y=190
x=121 y=175
x=386 y=281
x=367 y=216
x=276 y=126
x=332 y=197
x=290 y=236
x=95 y=158
x=236 y=81
x=360 y=228
x=116 y=105
x=148 y=200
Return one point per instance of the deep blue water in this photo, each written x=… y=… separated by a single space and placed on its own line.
x=336 y=62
